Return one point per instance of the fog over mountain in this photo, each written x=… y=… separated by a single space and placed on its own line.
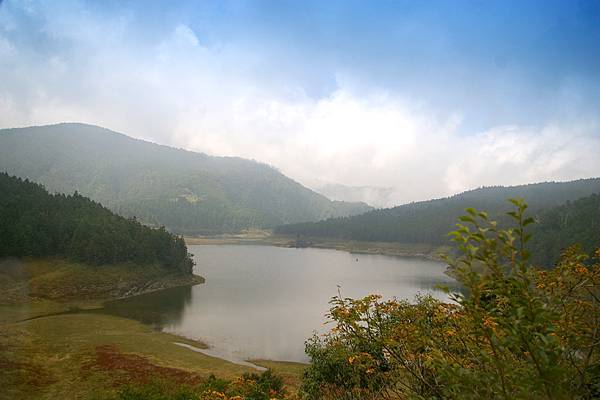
x=354 y=94
x=188 y=192
x=376 y=196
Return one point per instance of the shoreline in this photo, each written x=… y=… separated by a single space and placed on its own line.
x=80 y=333
x=395 y=249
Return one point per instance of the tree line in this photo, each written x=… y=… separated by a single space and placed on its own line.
x=563 y=218
x=34 y=222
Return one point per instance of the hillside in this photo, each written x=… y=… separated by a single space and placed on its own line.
x=430 y=221
x=559 y=227
x=187 y=192
x=35 y=223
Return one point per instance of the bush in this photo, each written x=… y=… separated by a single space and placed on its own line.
x=518 y=332
x=265 y=386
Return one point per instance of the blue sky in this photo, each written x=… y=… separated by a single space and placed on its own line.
x=382 y=93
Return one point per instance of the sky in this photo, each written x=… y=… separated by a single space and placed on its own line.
x=428 y=98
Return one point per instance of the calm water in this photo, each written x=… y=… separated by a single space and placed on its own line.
x=264 y=301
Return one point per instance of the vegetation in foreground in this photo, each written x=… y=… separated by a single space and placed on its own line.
x=519 y=333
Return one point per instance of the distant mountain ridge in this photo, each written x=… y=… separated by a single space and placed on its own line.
x=430 y=221
x=188 y=192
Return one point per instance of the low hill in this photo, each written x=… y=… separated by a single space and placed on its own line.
x=188 y=192
x=430 y=221
x=35 y=223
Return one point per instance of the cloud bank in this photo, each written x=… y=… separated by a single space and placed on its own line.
x=180 y=89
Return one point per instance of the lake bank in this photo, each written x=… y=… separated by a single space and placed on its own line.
x=39 y=286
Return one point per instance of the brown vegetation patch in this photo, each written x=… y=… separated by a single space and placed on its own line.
x=28 y=373
x=136 y=368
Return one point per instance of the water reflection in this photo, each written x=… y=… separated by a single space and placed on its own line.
x=159 y=309
x=264 y=302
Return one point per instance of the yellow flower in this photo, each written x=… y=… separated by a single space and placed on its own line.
x=488 y=322
x=580 y=269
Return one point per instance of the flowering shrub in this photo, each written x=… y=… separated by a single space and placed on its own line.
x=516 y=332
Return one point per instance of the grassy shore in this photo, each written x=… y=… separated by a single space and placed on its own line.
x=81 y=355
x=264 y=237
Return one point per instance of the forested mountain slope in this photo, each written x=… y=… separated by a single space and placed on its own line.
x=576 y=222
x=36 y=223
x=187 y=192
x=430 y=221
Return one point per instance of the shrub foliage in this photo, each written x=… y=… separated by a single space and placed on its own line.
x=249 y=386
x=515 y=332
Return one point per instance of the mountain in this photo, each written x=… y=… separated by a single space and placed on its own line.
x=36 y=223
x=188 y=192
x=430 y=221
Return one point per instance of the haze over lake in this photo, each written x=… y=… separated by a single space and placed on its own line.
x=264 y=302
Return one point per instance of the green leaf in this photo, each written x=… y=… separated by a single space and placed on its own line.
x=443 y=288
x=528 y=221
x=466 y=218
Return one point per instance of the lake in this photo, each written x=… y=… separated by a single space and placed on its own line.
x=263 y=302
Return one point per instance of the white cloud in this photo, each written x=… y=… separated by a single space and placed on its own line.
x=382 y=140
